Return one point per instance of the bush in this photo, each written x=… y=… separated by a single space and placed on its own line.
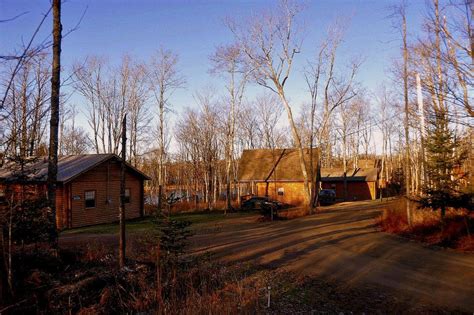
x=427 y=226
x=33 y=222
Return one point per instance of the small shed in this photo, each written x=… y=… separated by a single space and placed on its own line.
x=88 y=188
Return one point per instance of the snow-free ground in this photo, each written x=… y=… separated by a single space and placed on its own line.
x=341 y=244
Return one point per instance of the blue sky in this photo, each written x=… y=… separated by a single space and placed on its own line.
x=193 y=29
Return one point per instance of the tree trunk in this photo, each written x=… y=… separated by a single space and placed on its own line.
x=344 y=161
x=406 y=122
x=122 y=194
x=54 y=121
x=299 y=146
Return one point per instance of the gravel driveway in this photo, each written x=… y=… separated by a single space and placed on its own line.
x=343 y=243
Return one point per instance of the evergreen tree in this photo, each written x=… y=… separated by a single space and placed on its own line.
x=444 y=157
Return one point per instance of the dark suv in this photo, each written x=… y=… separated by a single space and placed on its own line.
x=327 y=196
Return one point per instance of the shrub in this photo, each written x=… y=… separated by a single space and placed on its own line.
x=427 y=226
x=33 y=222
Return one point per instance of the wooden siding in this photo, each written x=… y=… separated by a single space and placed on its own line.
x=355 y=190
x=61 y=214
x=70 y=203
x=292 y=191
x=105 y=181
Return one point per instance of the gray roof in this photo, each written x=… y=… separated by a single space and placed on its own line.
x=69 y=167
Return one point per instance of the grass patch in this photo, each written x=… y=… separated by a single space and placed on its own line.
x=142 y=225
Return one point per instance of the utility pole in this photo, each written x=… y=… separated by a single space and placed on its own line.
x=122 y=194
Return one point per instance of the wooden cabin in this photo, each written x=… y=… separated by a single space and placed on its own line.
x=277 y=174
x=274 y=173
x=88 y=188
x=362 y=183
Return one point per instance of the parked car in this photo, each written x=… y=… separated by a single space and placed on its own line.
x=327 y=196
x=261 y=203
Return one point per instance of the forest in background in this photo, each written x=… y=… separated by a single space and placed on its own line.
x=197 y=150
x=419 y=125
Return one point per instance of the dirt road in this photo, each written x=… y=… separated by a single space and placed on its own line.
x=343 y=243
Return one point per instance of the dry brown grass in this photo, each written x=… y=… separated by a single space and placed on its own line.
x=190 y=206
x=293 y=213
x=454 y=231
x=86 y=280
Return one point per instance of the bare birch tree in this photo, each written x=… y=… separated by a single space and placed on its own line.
x=400 y=16
x=228 y=62
x=74 y=139
x=329 y=88
x=165 y=79
x=26 y=108
x=270 y=43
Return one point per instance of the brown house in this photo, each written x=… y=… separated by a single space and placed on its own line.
x=361 y=182
x=88 y=188
x=277 y=174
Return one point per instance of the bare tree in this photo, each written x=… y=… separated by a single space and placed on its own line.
x=110 y=93
x=328 y=90
x=458 y=39
x=399 y=15
x=270 y=42
x=74 y=139
x=139 y=113
x=384 y=124
x=268 y=110
x=90 y=83
x=198 y=135
x=228 y=62
x=53 y=128
x=187 y=136
x=29 y=51
x=247 y=131
x=122 y=242
x=347 y=123
x=26 y=108
x=164 y=79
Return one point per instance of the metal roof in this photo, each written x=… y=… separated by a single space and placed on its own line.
x=353 y=175
x=69 y=167
x=284 y=165
x=276 y=164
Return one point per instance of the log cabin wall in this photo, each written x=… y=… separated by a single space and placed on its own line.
x=288 y=192
x=105 y=181
x=78 y=174
x=293 y=192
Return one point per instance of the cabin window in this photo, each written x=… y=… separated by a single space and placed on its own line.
x=126 y=198
x=89 y=198
x=281 y=191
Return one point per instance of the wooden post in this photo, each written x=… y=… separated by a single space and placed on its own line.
x=122 y=195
